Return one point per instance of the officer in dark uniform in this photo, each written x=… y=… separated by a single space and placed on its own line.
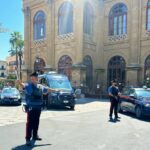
x=34 y=100
x=113 y=93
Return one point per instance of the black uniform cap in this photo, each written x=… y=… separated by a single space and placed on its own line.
x=34 y=74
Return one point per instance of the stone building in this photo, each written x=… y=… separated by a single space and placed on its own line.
x=3 y=72
x=11 y=67
x=92 y=41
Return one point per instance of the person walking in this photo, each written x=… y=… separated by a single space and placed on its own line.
x=34 y=102
x=113 y=93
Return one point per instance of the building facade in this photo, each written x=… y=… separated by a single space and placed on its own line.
x=3 y=72
x=91 y=41
x=11 y=67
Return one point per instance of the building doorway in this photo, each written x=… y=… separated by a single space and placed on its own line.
x=65 y=66
x=39 y=65
x=116 y=69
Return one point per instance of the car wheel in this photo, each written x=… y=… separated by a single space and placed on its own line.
x=138 y=112
x=119 y=108
x=72 y=107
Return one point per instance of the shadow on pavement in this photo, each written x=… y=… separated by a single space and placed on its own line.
x=131 y=115
x=24 y=147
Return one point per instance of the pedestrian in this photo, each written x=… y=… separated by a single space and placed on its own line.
x=113 y=93
x=34 y=100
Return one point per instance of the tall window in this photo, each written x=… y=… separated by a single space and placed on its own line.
x=65 y=18
x=118 y=20
x=88 y=19
x=148 y=16
x=39 y=25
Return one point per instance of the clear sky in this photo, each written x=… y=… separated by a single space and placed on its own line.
x=11 y=17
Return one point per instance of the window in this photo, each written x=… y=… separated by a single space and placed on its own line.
x=2 y=74
x=118 y=20
x=39 y=25
x=88 y=19
x=2 y=67
x=148 y=16
x=65 y=18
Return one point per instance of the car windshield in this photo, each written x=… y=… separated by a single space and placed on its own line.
x=10 y=91
x=60 y=83
x=143 y=93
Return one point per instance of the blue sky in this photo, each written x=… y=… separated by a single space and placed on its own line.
x=11 y=17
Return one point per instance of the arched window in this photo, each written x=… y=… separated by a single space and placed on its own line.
x=39 y=25
x=88 y=19
x=87 y=61
x=65 y=18
x=147 y=68
x=118 y=20
x=65 y=65
x=148 y=16
x=116 y=69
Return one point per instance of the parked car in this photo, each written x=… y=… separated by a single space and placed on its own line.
x=10 y=96
x=135 y=100
x=65 y=96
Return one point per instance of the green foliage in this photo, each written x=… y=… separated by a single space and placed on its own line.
x=12 y=76
x=16 y=43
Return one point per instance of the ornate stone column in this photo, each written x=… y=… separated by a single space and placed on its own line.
x=26 y=69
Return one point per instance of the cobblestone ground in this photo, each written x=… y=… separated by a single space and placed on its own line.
x=14 y=114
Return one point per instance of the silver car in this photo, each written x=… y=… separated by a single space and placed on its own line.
x=10 y=96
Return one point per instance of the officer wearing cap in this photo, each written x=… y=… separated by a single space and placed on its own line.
x=113 y=93
x=34 y=99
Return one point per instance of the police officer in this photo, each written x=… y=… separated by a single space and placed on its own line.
x=34 y=101
x=113 y=93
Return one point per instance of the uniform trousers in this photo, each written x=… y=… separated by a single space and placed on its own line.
x=113 y=107
x=32 y=125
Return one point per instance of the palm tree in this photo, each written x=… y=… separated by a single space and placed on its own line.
x=17 y=45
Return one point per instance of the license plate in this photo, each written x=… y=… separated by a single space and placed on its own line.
x=65 y=101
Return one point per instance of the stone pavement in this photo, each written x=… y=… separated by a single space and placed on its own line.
x=14 y=114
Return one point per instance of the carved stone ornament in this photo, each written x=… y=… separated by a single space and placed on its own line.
x=26 y=11
x=66 y=36
x=117 y=38
x=39 y=43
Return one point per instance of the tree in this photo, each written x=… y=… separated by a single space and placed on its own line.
x=17 y=45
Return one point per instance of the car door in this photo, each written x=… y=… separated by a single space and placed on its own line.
x=124 y=99
x=131 y=100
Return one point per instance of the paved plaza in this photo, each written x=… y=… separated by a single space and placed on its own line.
x=14 y=114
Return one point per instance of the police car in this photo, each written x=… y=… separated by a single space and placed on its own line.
x=65 y=95
x=135 y=100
